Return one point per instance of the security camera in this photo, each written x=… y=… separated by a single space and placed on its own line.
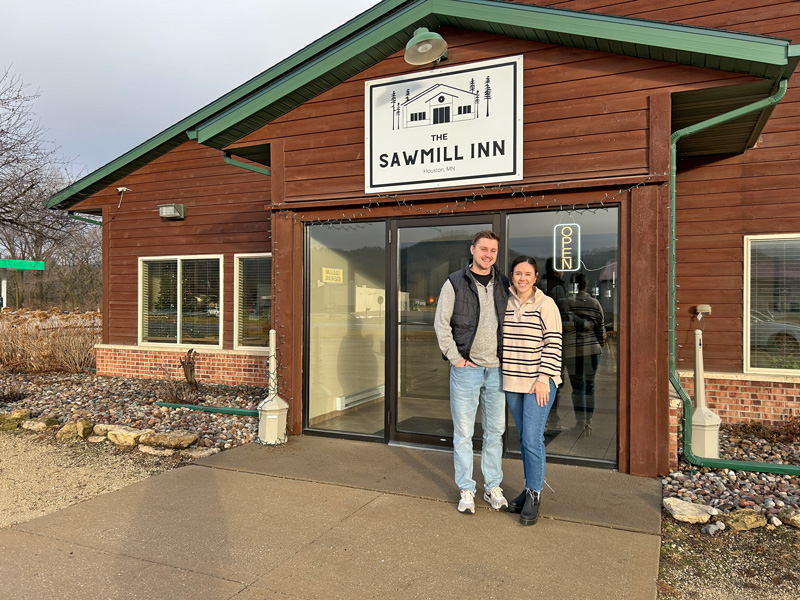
x=122 y=189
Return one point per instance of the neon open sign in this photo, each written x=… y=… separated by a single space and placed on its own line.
x=567 y=247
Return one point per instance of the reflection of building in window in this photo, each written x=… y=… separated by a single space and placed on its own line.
x=253 y=300
x=180 y=300
x=773 y=293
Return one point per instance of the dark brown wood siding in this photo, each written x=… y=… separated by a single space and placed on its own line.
x=225 y=215
x=719 y=201
x=586 y=116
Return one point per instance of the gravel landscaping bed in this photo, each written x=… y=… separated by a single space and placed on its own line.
x=131 y=402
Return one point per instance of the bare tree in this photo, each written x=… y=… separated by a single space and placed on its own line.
x=31 y=171
x=27 y=159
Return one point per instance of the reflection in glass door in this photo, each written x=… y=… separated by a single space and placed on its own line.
x=426 y=256
x=346 y=293
x=583 y=421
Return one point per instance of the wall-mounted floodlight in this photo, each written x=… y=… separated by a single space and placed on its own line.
x=172 y=211
x=425 y=47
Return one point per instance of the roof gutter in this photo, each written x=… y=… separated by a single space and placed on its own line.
x=85 y=220
x=715 y=463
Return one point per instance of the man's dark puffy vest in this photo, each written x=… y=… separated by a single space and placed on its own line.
x=466 y=310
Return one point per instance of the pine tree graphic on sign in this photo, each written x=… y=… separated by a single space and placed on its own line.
x=394 y=101
x=487 y=93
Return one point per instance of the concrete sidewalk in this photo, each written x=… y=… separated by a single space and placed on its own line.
x=321 y=518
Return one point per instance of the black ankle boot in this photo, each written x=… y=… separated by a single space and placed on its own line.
x=530 y=510
x=515 y=505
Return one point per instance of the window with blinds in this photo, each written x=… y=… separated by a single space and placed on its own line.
x=160 y=301
x=773 y=296
x=253 y=301
x=180 y=301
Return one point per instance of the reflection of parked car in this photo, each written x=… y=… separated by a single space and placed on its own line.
x=213 y=311
x=765 y=332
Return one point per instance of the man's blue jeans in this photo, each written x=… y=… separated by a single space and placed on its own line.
x=530 y=419
x=471 y=387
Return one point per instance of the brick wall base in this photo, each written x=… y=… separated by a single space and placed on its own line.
x=220 y=366
x=737 y=400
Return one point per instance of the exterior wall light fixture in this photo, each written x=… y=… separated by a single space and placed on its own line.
x=172 y=211
x=425 y=47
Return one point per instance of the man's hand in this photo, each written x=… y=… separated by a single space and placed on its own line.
x=466 y=363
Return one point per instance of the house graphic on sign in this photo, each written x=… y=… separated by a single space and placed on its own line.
x=439 y=104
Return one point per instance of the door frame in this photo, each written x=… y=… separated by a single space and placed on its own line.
x=391 y=434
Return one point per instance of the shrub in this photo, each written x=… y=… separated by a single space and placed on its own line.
x=53 y=340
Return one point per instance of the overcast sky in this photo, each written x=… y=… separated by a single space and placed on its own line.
x=112 y=74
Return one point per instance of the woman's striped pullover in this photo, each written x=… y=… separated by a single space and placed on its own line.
x=531 y=342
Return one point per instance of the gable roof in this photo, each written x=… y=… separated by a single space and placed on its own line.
x=385 y=28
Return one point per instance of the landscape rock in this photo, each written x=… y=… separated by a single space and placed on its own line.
x=96 y=439
x=789 y=516
x=33 y=425
x=85 y=428
x=22 y=414
x=175 y=439
x=67 y=432
x=156 y=451
x=745 y=519
x=686 y=511
x=102 y=429
x=200 y=452
x=122 y=435
x=8 y=424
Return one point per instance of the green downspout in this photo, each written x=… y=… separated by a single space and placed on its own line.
x=244 y=412
x=715 y=463
x=236 y=163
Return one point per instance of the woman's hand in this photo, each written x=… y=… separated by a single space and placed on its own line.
x=542 y=392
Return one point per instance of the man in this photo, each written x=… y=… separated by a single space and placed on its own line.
x=583 y=345
x=468 y=323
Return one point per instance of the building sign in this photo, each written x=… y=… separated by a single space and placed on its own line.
x=332 y=275
x=447 y=127
x=567 y=247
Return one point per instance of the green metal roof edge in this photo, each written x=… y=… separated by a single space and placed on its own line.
x=155 y=146
x=629 y=30
x=670 y=36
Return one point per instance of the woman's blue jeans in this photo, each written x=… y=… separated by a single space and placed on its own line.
x=471 y=387
x=531 y=419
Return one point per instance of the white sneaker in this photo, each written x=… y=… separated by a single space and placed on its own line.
x=467 y=502
x=495 y=497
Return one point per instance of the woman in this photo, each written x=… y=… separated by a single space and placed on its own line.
x=531 y=373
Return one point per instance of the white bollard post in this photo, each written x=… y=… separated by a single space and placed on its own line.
x=705 y=423
x=272 y=409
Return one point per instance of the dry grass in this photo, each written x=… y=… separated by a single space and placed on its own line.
x=36 y=341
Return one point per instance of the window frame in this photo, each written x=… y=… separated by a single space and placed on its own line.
x=236 y=267
x=748 y=244
x=140 y=300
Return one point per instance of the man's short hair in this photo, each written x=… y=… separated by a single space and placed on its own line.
x=489 y=235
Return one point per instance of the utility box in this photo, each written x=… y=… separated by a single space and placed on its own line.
x=272 y=420
x=705 y=433
x=705 y=423
x=272 y=410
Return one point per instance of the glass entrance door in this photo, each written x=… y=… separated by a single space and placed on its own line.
x=426 y=255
